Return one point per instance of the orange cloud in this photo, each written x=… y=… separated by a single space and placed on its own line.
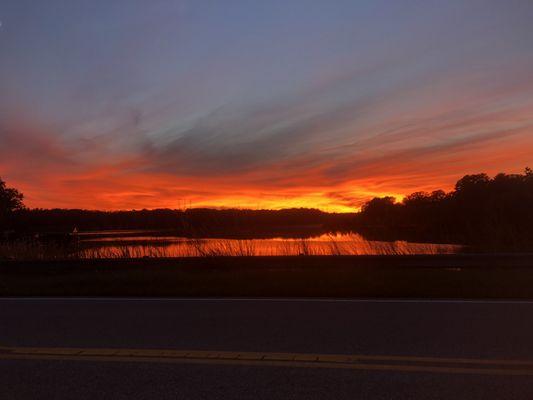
x=295 y=158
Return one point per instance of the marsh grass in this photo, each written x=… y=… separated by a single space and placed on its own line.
x=330 y=245
x=34 y=250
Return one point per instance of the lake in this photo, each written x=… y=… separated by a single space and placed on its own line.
x=138 y=244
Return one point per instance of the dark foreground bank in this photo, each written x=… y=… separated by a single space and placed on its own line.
x=442 y=276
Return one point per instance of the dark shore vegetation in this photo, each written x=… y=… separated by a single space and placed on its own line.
x=440 y=276
x=488 y=214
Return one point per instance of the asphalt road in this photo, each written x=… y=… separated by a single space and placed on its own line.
x=264 y=349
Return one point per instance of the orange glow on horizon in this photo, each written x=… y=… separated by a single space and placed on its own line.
x=52 y=175
x=108 y=188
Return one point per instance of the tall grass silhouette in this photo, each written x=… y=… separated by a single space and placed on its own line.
x=327 y=245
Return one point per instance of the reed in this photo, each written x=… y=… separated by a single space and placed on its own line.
x=34 y=250
x=327 y=246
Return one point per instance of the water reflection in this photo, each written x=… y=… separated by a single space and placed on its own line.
x=169 y=246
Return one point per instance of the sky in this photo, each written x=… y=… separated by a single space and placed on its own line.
x=110 y=104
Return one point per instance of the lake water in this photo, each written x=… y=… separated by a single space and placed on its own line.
x=135 y=245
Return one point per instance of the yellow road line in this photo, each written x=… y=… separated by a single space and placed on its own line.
x=258 y=355
x=295 y=360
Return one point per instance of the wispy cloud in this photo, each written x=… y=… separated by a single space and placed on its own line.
x=262 y=109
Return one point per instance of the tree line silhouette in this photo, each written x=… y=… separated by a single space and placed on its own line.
x=196 y=222
x=17 y=220
x=483 y=212
x=486 y=213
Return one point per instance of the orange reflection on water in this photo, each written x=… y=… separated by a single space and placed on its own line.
x=330 y=244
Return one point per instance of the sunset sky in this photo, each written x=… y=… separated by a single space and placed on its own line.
x=264 y=104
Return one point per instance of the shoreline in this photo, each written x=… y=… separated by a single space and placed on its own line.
x=464 y=276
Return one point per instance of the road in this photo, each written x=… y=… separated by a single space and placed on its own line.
x=265 y=349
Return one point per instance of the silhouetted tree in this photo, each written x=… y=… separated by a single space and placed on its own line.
x=381 y=215
x=380 y=209
x=488 y=213
x=10 y=199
